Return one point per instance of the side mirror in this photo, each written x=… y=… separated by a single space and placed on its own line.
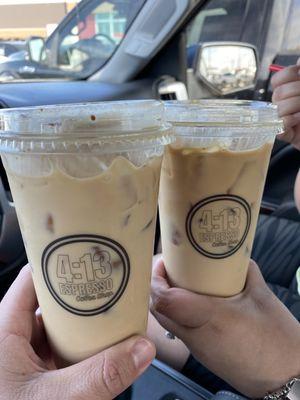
x=226 y=67
x=35 y=47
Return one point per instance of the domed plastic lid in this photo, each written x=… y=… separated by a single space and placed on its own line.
x=90 y=127
x=224 y=113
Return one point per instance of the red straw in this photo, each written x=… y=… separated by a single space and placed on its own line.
x=275 y=68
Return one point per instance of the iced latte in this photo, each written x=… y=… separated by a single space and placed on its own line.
x=211 y=189
x=85 y=191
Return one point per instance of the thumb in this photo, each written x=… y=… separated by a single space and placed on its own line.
x=106 y=374
x=179 y=306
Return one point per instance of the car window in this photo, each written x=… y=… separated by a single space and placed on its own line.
x=74 y=47
x=218 y=20
x=92 y=37
x=291 y=42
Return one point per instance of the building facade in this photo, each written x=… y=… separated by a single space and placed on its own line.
x=20 y=19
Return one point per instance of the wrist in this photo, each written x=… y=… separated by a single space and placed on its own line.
x=290 y=390
x=275 y=378
x=286 y=364
x=273 y=385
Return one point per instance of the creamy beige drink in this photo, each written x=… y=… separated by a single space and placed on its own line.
x=210 y=193
x=209 y=215
x=88 y=223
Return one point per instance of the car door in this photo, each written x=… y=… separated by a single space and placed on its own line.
x=237 y=21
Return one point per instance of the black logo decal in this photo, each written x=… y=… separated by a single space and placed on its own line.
x=218 y=226
x=86 y=274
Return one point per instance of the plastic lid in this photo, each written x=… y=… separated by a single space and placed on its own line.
x=224 y=113
x=85 y=127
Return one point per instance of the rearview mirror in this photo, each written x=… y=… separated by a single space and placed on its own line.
x=226 y=67
x=35 y=47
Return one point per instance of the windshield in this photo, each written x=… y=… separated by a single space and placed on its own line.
x=61 y=39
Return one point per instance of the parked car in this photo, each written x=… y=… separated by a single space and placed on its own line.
x=9 y=48
x=22 y=65
x=175 y=49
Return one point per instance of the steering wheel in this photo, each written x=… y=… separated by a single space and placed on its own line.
x=108 y=38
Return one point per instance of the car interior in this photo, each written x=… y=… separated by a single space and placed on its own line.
x=158 y=58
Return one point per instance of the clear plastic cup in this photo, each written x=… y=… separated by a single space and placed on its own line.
x=211 y=188
x=84 y=179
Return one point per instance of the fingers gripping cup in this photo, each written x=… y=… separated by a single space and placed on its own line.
x=211 y=189
x=84 y=179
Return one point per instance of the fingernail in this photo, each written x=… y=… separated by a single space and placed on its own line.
x=142 y=353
